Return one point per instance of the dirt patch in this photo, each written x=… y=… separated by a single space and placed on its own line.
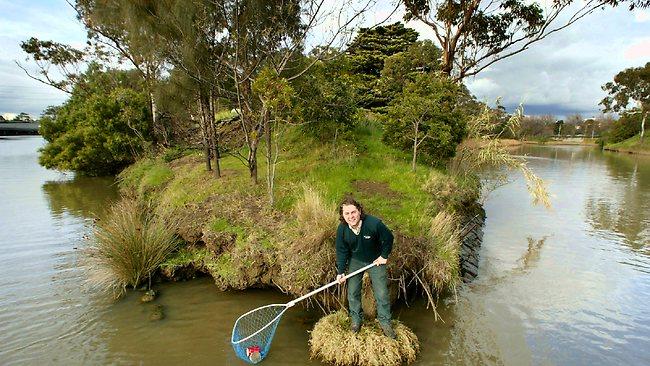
x=375 y=188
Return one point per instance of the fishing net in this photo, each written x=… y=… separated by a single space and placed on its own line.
x=253 y=332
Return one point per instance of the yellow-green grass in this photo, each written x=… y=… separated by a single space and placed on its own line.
x=129 y=246
x=633 y=144
x=333 y=342
x=249 y=241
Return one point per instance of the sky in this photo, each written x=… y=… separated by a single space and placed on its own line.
x=560 y=75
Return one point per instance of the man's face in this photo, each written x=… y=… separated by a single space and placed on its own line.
x=351 y=215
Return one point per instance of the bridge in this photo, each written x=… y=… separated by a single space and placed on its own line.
x=18 y=128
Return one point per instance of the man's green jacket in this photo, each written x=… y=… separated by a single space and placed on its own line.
x=374 y=240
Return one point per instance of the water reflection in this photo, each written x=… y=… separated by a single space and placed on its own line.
x=83 y=197
x=620 y=208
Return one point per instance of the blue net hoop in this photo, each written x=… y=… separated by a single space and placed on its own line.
x=253 y=332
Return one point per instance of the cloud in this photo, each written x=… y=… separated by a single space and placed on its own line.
x=641 y=16
x=563 y=73
x=45 y=20
x=638 y=50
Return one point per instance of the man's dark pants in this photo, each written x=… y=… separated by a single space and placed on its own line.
x=379 y=279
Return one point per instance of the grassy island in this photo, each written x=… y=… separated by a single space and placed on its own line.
x=230 y=231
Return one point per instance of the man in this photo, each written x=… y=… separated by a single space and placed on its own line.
x=360 y=240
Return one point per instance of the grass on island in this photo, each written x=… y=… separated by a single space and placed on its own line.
x=249 y=243
x=333 y=342
x=633 y=144
x=129 y=246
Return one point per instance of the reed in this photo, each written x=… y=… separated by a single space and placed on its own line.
x=129 y=246
x=482 y=153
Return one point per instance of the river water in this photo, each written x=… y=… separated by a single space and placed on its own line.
x=566 y=286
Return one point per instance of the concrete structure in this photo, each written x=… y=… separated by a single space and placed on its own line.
x=19 y=128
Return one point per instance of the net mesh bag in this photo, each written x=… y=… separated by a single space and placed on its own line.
x=253 y=332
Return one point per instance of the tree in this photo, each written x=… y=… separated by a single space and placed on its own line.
x=428 y=118
x=629 y=85
x=537 y=126
x=101 y=128
x=557 y=131
x=474 y=34
x=23 y=117
x=66 y=60
x=628 y=125
x=114 y=28
x=367 y=53
x=325 y=104
x=420 y=57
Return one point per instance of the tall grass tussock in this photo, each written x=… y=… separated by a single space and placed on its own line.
x=129 y=246
x=308 y=257
x=333 y=342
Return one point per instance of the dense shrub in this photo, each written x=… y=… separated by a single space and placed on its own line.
x=100 y=130
x=626 y=126
x=325 y=101
x=438 y=105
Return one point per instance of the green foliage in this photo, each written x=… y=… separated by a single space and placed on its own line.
x=628 y=125
x=372 y=45
x=325 y=102
x=367 y=53
x=273 y=90
x=101 y=129
x=420 y=57
x=629 y=85
x=434 y=105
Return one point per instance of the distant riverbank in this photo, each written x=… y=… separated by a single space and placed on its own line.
x=633 y=145
x=578 y=141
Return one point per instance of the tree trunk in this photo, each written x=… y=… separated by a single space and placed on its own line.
x=415 y=146
x=645 y=114
x=206 y=132
x=214 y=139
x=270 y=166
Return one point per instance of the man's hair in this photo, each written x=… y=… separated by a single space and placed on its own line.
x=349 y=201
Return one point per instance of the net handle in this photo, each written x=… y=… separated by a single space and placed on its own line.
x=294 y=302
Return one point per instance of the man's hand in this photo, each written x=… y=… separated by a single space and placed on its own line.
x=379 y=261
x=341 y=279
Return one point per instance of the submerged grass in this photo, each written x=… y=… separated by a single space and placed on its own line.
x=333 y=342
x=129 y=246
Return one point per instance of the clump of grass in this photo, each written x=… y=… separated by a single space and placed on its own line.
x=451 y=192
x=309 y=256
x=442 y=267
x=129 y=246
x=333 y=342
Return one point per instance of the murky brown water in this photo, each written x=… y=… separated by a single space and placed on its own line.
x=567 y=286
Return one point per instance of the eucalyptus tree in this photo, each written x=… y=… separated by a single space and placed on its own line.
x=113 y=29
x=474 y=34
x=630 y=86
x=271 y=36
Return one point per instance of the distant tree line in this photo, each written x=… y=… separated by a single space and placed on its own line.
x=20 y=117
